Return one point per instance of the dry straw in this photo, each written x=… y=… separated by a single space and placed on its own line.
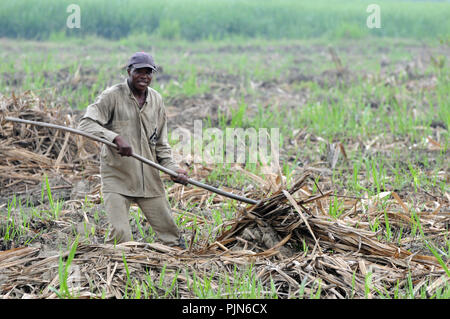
x=293 y=244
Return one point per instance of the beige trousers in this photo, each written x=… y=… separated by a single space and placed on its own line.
x=156 y=210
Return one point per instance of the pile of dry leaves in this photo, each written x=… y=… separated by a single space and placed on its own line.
x=28 y=152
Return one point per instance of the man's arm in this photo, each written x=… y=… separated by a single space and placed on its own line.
x=97 y=116
x=93 y=127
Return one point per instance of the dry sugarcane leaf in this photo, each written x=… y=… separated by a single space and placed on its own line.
x=398 y=199
x=297 y=208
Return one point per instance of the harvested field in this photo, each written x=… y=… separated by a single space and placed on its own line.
x=356 y=207
x=291 y=243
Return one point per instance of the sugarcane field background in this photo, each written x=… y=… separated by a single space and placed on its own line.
x=355 y=206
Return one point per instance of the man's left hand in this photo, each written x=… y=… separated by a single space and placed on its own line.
x=182 y=177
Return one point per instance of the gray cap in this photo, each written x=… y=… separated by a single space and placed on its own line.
x=142 y=60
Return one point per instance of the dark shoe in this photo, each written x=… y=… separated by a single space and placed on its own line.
x=182 y=243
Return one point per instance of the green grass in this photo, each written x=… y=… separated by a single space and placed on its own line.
x=243 y=285
x=15 y=222
x=200 y=19
x=64 y=291
x=13 y=229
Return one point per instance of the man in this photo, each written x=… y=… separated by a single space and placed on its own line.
x=132 y=116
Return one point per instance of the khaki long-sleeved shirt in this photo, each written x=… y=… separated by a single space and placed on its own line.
x=117 y=112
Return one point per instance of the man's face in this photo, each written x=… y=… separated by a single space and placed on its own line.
x=140 y=78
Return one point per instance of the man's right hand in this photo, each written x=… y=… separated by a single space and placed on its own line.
x=123 y=147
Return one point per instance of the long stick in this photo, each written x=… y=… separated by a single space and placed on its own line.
x=138 y=157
